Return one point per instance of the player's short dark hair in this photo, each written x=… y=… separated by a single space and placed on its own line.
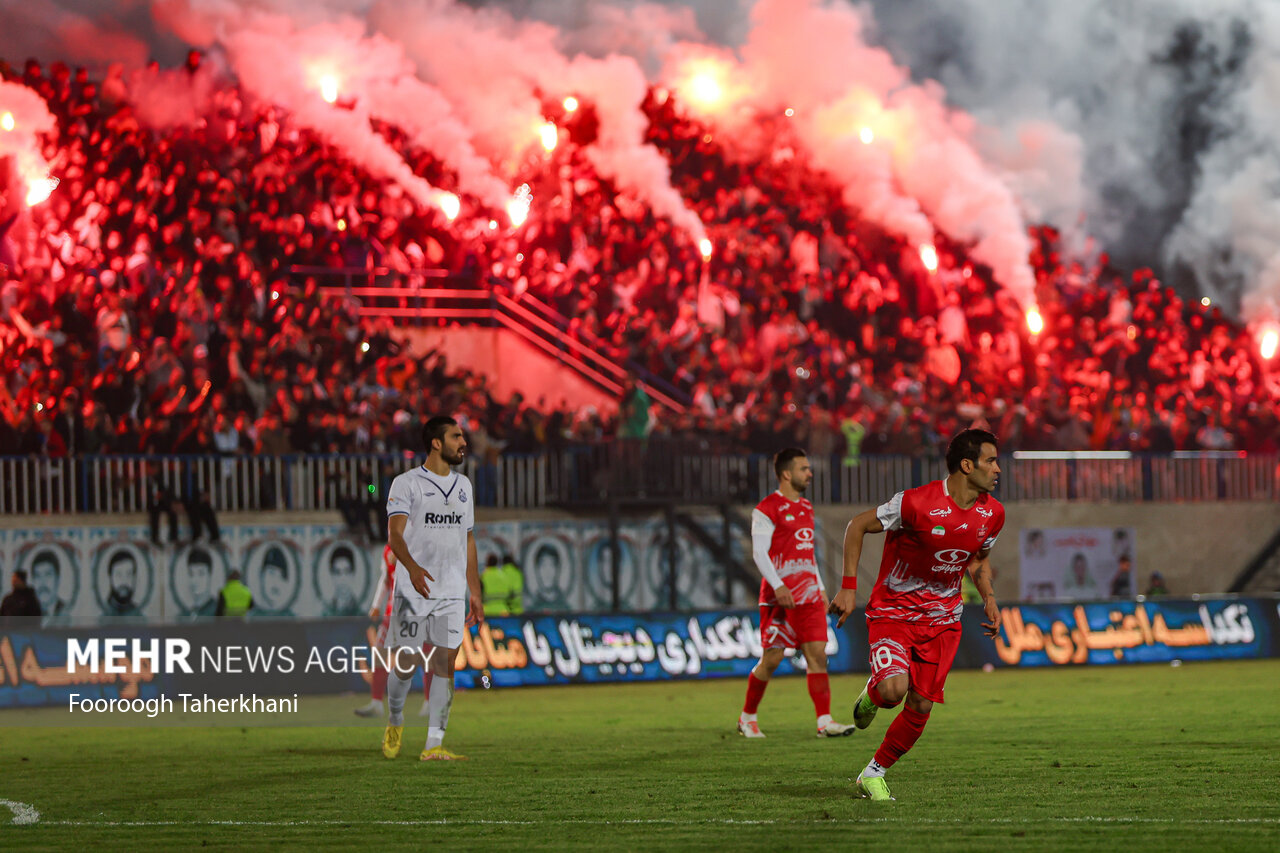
x=491 y=560
x=967 y=445
x=20 y=575
x=783 y=458
x=435 y=428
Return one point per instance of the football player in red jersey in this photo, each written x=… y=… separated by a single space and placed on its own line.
x=793 y=604
x=936 y=533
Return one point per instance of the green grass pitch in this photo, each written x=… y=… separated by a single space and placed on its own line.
x=1098 y=758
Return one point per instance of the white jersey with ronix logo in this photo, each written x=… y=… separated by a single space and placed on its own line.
x=441 y=513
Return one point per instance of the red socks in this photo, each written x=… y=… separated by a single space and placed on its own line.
x=819 y=692
x=379 y=688
x=755 y=692
x=903 y=733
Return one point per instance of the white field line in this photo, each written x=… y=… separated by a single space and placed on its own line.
x=22 y=813
x=33 y=817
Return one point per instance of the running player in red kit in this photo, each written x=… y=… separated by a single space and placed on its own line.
x=936 y=533
x=793 y=604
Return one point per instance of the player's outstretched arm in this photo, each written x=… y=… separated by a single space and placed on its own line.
x=395 y=538
x=980 y=571
x=862 y=524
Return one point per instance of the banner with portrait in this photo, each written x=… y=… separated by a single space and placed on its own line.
x=112 y=575
x=1076 y=563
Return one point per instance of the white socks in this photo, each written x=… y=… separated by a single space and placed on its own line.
x=823 y=720
x=440 y=695
x=397 y=692
x=747 y=718
x=873 y=769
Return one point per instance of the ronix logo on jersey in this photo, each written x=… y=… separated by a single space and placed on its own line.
x=940 y=513
x=951 y=559
x=804 y=539
x=442 y=518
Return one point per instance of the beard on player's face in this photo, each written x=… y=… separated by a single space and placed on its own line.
x=454 y=457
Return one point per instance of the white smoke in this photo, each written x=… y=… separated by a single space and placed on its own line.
x=284 y=63
x=1157 y=119
x=906 y=160
x=494 y=68
x=1174 y=104
x=24 y=118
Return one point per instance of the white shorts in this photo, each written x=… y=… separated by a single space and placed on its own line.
x=438 y=621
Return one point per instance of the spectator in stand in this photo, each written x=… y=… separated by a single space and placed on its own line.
x=21 y=603
x=1156 y=586
x=1122 y=581
x=160 y=501
x=635 y=411
x=202 y=517
x=160 y=284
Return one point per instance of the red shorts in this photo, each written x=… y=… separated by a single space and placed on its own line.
x=781 y=628
x=924 y=653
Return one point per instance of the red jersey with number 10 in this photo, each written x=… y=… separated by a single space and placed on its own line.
x=791 y=549
x=929 y=543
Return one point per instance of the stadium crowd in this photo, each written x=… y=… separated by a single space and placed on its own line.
x=168 y=298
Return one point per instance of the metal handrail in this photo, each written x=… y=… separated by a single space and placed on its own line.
x=586 y=358
x=652 y=382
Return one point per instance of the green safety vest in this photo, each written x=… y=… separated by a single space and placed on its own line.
x=237 y=599
x=494 y=583
x=853 y=435
x=515 y=589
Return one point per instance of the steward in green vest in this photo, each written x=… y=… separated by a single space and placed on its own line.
x=854 y=432
x=515 y=585
x=235 y=599
x=493 y=581
x=503 y=587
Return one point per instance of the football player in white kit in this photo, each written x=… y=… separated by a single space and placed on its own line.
x=431 y=513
